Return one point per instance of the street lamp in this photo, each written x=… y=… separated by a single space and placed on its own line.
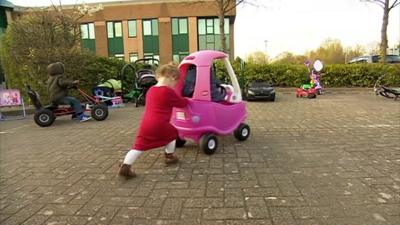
x=266 y=45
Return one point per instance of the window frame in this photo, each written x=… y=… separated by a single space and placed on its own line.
x=153 y=23
x=87 y=28
x=129 y=29
x=113 y=29
x=133 y=54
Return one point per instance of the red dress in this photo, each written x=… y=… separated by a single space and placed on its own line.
x=155 y=129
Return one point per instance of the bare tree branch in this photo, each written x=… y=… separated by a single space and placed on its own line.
x=234 y=6
x=395 y=3
x=381 y=3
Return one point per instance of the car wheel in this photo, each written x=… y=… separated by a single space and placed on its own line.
x=242 y=132
x=44 y=118
x=272 y=98
x=209 y=143
x=99 y=112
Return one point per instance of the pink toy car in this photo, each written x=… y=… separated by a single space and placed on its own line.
x=214 y=109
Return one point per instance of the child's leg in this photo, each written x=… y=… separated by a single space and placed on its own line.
x=131 y=156
x=125 y=168
x=170 y=148
x=170 y=156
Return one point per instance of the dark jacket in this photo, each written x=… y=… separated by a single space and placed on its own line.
x=57 y=84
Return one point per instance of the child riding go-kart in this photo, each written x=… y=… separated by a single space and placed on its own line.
x=313 y=88
x=213 y=109
x=46 y=115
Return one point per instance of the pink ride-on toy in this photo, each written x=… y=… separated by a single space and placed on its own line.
x=213 y=109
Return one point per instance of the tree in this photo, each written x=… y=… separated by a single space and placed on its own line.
x=289 y=58
x=257 y=57
x=387 y=6
x=224 y=7
x=330 y=52
x=39 y=38
x=352 y=52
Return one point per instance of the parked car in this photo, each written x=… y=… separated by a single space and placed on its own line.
x=375 y=59
x=260 y=90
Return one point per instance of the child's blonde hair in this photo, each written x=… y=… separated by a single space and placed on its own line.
x=168 y=71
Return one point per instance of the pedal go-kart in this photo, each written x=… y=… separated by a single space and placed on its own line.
x=306 y=91
x=46 y=115
x=313 y=88
x=213 y=109
x=387 y=92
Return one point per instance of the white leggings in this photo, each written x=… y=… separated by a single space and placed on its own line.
x=133 y=154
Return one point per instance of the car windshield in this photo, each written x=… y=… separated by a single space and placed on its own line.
x=260 y=84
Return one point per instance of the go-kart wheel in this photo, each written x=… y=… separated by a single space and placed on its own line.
x=311 y=96
x=44 y=117
x=319 y=92
x=209 y=143
x=180 y=142
x=99 y=112
x=242 y=132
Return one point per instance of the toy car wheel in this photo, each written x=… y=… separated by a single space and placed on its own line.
x=242 y=132
x=99 y=112
x=44 y=117
x=180 y=143
x=311 y=96
x=209 y=143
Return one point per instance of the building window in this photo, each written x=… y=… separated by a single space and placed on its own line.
x=119 y=56
x=133 y=57
x=180 y=39
x=131 y=28
x=87 y=31
x=209 y=33
x=114 y=29
x=150 y=37
x=115 y=41
x=88 y=36
x=151 y=56
x=150 y=27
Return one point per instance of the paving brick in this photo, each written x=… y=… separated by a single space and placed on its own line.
x=330 y=160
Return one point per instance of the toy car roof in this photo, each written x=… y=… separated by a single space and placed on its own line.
x=203 y=58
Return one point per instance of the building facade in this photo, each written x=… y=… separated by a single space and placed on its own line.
x=167 y=30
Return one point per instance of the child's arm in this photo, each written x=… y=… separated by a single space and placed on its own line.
x=176 y=100
x=65 y=82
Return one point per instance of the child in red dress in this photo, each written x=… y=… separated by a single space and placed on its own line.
x=155 y=129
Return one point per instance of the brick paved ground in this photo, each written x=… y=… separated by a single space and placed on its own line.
x=332 y=160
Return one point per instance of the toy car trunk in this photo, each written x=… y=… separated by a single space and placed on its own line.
x=204 y=118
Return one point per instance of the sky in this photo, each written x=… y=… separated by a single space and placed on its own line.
x=297 y=25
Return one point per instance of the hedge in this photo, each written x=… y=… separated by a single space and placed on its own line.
x=99 y=69
x=338 y=75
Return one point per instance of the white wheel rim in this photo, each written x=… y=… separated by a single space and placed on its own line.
x=44 y=118
x=211 y=144
x=99 y=112
x=245 y=132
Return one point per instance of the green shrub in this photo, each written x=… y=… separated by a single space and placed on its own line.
x=337 y=75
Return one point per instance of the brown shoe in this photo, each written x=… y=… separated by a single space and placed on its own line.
x=125 y=171
x=171 y=158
